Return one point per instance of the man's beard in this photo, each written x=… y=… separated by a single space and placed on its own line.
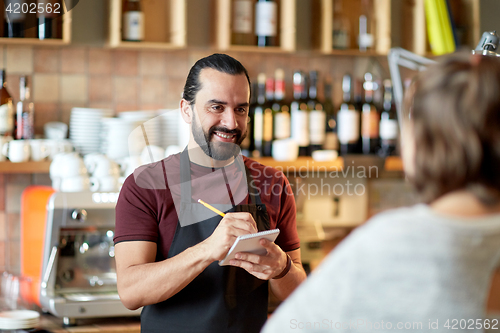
x=217 y=150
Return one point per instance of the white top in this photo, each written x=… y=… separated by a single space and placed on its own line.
x=403 y=268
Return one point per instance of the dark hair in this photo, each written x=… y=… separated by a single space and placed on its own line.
x=221 y=62
x=456 y=125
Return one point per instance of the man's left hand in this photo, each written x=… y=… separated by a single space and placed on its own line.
x=264 y=267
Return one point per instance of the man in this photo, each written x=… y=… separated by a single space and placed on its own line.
x=168 y=245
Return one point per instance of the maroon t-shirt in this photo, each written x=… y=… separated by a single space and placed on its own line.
x=149 y=201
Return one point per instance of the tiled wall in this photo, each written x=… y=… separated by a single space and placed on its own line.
x=124 y=80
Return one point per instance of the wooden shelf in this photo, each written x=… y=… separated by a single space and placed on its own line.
x=25 y=167
x=165 y=25
x=393 y=163
x=65 y=40
x=303 y=164
x=351 y=8
x=287 y=28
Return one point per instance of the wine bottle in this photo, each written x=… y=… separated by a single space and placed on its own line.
x=348 y=118
x=24 y=122
x=6 y=107
x=389 y=127
x=133 y=21
x=15 y=17
x=341 y=28
x=266 y=23
x=48 y=25
x=366 y=34
x=281 y=110
x=248 y=144
x=317 y=115
x=370 y=118
x=242 y=27
x=299 y=113
x=331 y=139
x=258 y=116
x=267 y=127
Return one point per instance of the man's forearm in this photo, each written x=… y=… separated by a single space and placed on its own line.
x=150 y=283
x=283 y=287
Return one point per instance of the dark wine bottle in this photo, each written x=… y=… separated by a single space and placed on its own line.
x=242 y=25
x=133 y=21
x=389 y=127
x=348 y=121
x=48 y=25
x=317 y=115
x=258 y=116
x=248 y=144
x=299 y=113
x=281 y=110
x=15 y=16
x=6 y=107
x=370 y=118
x=267 y=127
x=331 y=139
x=266 y=23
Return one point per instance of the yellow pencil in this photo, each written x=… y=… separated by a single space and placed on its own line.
x=213 y=209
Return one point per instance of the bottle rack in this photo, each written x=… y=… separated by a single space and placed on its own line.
x=66 y=34
x=397 y=23
x=352 y=10
x=287 y=28
x=160 y=33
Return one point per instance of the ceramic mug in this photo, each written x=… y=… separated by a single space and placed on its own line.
x=39 y=150
x=3 y=141
x=66 y=165
x=107 y=184
x=17 y=150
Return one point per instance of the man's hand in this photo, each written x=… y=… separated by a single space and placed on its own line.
x=263 y=267
x=229 y=228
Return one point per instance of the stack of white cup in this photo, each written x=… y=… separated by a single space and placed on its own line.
x=105 y=173
x=69 y=174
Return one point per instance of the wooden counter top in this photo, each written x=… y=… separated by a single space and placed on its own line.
x=94 y=325
x=305 y=164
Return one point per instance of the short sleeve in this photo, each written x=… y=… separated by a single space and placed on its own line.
x=288 y=238
x=136 y=213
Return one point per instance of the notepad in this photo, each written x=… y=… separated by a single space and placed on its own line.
x=250 y=243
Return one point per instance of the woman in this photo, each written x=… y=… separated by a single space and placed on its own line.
x=426 y=267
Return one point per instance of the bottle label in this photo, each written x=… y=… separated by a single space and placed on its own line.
x=369 y=124
x=258 y=119
x=331 y=141
x=242 y=18
x=267 y=131
x=348 y=126
x=365 y=41
x=6 y=118
x=282 y=125
x=133 y=26
x=266 y=18
x=340 y=39
x=300 y=127
x=317 y=125
x=388 y=129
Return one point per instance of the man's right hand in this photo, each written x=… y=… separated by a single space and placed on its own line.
x=223 y=237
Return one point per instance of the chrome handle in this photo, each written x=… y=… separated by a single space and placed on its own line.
x=50 y=266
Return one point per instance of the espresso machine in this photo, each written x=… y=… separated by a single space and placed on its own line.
x=78 y=274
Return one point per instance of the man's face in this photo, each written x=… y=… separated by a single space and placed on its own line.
x=220 y=113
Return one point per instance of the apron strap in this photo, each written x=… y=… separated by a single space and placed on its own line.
x=185 y=178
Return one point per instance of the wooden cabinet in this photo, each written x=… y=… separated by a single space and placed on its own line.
x=396 y=23
x=286 y=34
x=31 y=39
x=165 y=25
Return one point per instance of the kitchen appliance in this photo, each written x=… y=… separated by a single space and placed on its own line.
x=77 y=278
